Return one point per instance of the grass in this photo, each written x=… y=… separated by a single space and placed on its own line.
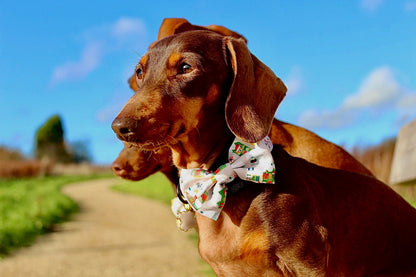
x=31 y=206
x=407 y=190
x=158 y=187
x=411 y=196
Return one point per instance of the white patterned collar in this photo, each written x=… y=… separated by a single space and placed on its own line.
x=206 y=191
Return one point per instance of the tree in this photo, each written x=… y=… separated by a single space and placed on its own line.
x=80 y=151
x=50 y=141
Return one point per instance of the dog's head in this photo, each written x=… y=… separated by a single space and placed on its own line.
x=199 y=80
x=133 y=164
x=173 y=26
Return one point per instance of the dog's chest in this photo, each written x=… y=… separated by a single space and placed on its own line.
x=233 y=251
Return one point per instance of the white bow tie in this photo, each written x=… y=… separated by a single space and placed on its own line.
x=206 y=191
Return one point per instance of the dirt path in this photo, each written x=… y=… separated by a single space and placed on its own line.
x=113 y=235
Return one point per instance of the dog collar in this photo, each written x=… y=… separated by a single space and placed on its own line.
x=206 y=191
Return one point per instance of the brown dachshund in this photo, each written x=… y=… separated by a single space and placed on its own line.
x=297 y=141
x=197 y=90
x=135 y=165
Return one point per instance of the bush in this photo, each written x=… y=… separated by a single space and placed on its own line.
x=7 y=154
x=13 y=164
x=20 y=169
x=50 y=141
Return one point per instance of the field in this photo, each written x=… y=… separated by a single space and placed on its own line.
x=156 y=187
x=31 y=206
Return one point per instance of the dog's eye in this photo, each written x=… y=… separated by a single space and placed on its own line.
x=185 y=68
x=139 y=73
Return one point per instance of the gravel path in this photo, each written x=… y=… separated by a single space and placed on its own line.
x=113 y=235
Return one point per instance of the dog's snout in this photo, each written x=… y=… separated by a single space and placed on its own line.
x=118 y=168
x=125 y=128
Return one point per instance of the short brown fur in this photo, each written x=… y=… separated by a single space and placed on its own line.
x=134 y=164
x=316 y=221
x=297 y=141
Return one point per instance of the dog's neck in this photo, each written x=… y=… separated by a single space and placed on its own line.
x=193 y=151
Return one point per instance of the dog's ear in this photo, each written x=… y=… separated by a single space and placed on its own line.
x=171 y=26
x=254 y=95
x=132 y=83
x=225 y=32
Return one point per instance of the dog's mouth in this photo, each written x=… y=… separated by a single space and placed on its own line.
x=168 y=137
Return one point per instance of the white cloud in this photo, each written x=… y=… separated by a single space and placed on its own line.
x=410 y=6
x=90 y=59
x=294 y=80
x=407 y=101
x=100 y=41
x=128 y=26
x=370 y=5
x=378 y=89
x=329 y=119
x=379 y=92
x=406 y=107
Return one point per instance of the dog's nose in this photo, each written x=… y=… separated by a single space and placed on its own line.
x=118 y=169
x=125 y=128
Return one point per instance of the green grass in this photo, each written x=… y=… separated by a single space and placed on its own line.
x=31 y=206
x=408 y=191
x=158 y=187
x=411 y=200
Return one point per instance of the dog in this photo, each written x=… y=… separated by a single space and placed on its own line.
x=197 y=91
x=297 y=141
x=135 y=165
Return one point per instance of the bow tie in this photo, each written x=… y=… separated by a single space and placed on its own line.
x=206 y=191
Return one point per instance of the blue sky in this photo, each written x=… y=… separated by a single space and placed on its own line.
x=350 y=66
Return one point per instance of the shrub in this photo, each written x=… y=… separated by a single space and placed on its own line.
x=20 y=169
x=7 y=154
x=50 y=141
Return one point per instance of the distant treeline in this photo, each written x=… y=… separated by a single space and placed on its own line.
x=377 y=158
x=50 y=148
